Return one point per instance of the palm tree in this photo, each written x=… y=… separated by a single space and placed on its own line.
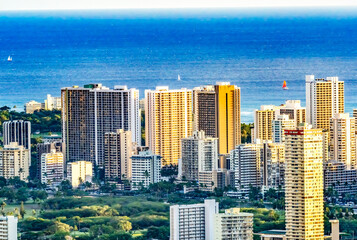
x=146 y=174
x=21 y=170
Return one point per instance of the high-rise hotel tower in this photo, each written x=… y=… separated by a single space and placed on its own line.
x=217 y=112
x=343 y=140
x=324 y=98
x=91 y=111
x=168 y=119
x=304 y=210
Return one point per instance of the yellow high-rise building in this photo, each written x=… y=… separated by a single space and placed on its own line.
x=263 y=122
x=216 y=111
x=324 y=98
x=168 y=119
x=228 y=116
x=304 y=211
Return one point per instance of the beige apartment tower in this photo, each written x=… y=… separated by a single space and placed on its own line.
x=304 y=211
x=234 y=225
x=324 y=98
x=168 y=119
x=217 y=112
x=263 y=122
x=343 y=140
x=14 y=161
x=118 y=149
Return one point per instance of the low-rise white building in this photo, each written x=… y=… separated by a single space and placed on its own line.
x=52 y=103
x=52 y=171
x=194 y=221
x=204 y=222
x=79 y=172
x=145 y=169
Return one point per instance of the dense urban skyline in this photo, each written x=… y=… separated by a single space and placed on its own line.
x=135 y=156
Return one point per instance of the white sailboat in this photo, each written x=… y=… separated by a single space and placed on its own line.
x=178 y=78
x=9 y=59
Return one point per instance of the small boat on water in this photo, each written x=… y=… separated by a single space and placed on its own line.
x=178 y=77
x=9 y=59
x=284 y=86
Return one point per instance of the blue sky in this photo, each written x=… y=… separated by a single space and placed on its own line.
x=131 y=4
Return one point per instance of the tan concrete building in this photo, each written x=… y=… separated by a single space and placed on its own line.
x=14 y=161
x=293 y=109
x=33 y=106
x=118 y=149
x=209 y=180
x=217 y=112
x=304 y=211
x=233 y=224
x=79 y=172
x=168 y=119
x=343 y=140
x=324 y=98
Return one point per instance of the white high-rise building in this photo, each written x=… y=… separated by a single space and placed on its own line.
x=245 y=162
x=324 y=98
x=281 y=123
x=343 y=140
x=145 y=169
x=258 y=165
x=52 y=103
x=8 y=228
x=195 y=221
x=18 y=131
x=198 y=153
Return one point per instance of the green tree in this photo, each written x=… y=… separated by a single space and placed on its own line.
x=121 y=223
x=22 y=210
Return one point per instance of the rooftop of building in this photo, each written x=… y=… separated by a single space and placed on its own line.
x=273 y=232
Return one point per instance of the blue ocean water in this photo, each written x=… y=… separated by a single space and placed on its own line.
x=256 y=50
